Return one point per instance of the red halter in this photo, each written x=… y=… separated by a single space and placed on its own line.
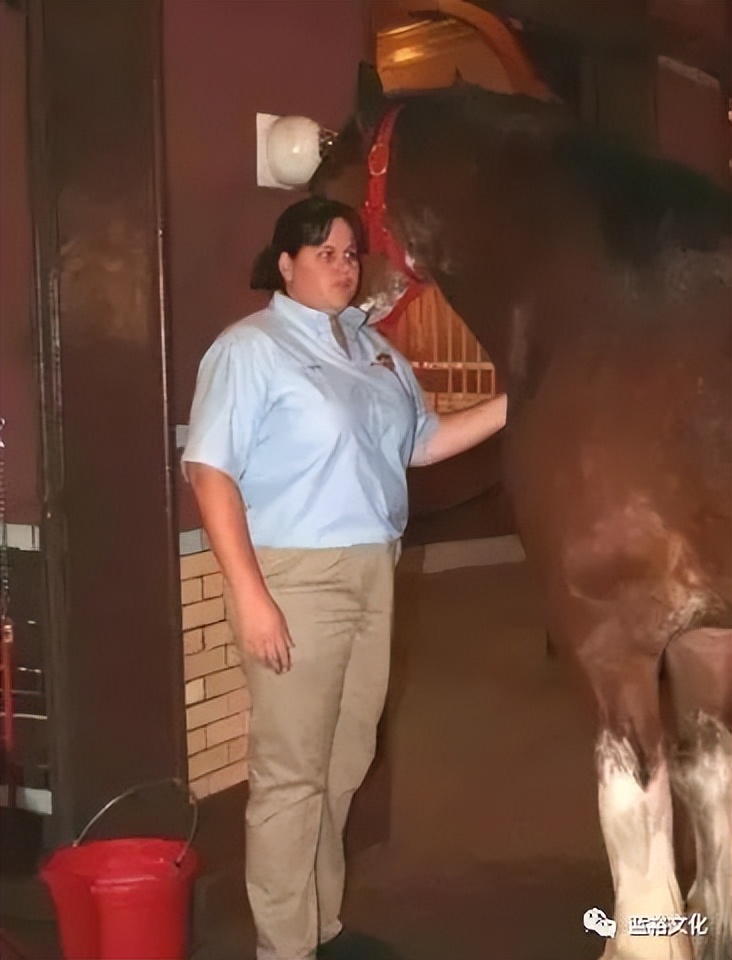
x=380 y=238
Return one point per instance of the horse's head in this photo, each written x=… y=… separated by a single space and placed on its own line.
x=424 y=186
x=354 y=170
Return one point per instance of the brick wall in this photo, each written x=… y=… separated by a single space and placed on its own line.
x=217 y=700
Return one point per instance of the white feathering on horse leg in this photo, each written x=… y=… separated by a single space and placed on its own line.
x=637 y=828
x=702 y=778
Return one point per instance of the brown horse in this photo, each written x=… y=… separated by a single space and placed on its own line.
x=598 y=280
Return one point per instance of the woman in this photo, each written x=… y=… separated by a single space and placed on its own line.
x=303 y=424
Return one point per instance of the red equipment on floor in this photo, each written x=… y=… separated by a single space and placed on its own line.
x=9 y=949
x=124 y=899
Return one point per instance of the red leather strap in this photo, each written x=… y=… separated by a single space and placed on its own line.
x=373 y=213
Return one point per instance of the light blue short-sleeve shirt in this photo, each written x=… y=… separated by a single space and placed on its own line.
x=317 y=442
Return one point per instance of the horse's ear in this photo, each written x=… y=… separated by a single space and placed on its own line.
x=370 y=97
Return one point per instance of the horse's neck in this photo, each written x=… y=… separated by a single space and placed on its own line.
x=526 y=273
x=509 y=281
x=522 y=316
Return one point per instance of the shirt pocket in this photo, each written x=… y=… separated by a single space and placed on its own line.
x=388 y=405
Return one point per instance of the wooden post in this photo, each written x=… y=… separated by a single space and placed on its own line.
x=114 y=655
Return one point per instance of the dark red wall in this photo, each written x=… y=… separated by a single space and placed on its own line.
x=691 y=111
x=692 y=121
x=224 y=62
x=17 y=382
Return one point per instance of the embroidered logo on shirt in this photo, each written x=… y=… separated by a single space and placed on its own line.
x=384 y=360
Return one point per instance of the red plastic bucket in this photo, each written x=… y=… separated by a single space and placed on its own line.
x=125 y=899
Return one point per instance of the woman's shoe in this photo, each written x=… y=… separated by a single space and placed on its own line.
x=355 y=946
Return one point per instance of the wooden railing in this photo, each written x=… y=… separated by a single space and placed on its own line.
x=451 y=366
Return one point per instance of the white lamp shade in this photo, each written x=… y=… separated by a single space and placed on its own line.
x=293 y=150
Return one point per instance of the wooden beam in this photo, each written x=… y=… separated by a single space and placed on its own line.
x=109 y=533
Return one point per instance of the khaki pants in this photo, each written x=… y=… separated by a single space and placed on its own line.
x=312 y=737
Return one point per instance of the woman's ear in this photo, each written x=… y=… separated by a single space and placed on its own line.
x=285 y=266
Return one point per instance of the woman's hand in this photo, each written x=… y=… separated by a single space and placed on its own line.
x=259 y=625
x=262 y=630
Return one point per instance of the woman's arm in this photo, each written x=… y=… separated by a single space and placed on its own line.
x=462 y=430
x=262 y=627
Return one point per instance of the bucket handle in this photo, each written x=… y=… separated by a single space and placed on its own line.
x=132 y=791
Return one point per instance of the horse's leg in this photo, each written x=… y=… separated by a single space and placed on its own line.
x=699 y=670
x=635 y=802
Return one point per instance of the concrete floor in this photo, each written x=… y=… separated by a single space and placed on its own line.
x=494 y=850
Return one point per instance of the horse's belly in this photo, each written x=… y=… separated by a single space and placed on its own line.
x=621 y=484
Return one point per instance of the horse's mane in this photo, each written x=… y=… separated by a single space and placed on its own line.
x=647 y=205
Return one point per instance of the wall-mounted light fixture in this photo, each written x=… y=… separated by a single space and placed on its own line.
x=289 y=150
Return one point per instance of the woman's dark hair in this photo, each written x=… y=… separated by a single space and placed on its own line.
x=306 y=223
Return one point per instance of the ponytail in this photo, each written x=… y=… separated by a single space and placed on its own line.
x=265 y=270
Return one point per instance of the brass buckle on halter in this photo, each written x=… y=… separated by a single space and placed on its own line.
x=378 y=154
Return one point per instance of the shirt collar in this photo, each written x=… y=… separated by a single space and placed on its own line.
x=351 y=317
